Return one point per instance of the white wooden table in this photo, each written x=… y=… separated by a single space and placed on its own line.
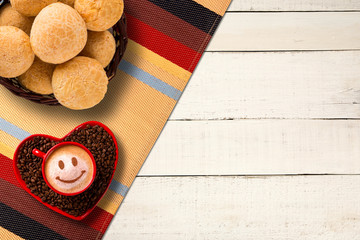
x=265 y=142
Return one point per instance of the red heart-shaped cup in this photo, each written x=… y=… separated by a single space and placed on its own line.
x=43 y=157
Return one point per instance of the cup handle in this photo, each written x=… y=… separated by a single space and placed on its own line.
x=38 y=153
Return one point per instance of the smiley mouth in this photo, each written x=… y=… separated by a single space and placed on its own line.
x=71 y=181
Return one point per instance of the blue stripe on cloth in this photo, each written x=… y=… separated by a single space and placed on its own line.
x=13 y=130
x=150 y=80
x=119 y=188
x=21 y=135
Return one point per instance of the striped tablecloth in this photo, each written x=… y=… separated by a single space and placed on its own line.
x=166 y=41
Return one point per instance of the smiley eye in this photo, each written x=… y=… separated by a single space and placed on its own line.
x=61 y=165
x=74 y=161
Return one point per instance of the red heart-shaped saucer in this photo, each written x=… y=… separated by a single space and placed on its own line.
x=82 y=127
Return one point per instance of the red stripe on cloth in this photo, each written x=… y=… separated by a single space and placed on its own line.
x=164 y=21
x=96 y=220
x=7 y=171
x=162 y=44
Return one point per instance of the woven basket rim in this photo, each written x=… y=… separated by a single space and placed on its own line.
x=119 y=31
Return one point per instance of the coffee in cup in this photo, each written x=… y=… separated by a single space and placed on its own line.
x=69 y=169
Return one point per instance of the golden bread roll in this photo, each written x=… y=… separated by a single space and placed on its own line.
x=80 y=83
x=100 y=46
x=58 y=34
x=10 y=17
x=100 y=15
x=16 y=55
x=30 y=8
x=38 y=77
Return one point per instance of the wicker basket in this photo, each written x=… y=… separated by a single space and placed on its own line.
x=120 y=34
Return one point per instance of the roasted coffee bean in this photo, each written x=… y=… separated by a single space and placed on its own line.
x=102 y=147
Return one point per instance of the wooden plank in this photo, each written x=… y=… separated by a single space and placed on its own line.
x=282 y=208
x=273 y=85
x=287 y=31
x=256 y=147
x=294 y=5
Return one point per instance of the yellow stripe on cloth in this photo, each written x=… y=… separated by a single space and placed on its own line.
x=159 y=61
x=7 y=235
x=110 y=202
x=145 y=120
x=155 y=70
x=9 y=140
x=6 y=150
x=216 y=6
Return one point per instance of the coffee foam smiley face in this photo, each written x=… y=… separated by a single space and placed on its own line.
x=69 y=169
